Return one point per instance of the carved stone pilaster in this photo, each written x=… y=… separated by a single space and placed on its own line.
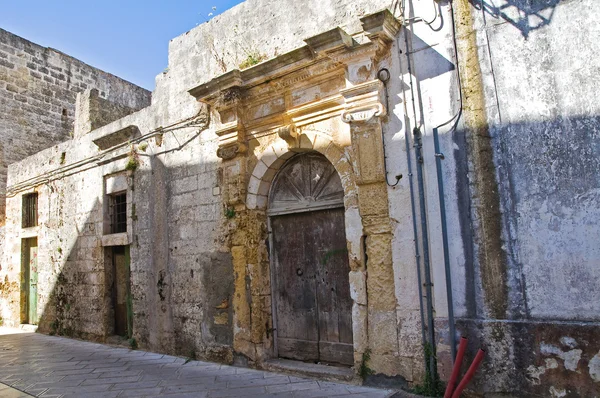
x=363 y=108
x=364 y=102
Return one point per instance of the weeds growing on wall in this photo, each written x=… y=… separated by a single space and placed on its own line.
x=432 y=385
x=364 y=369
x=133 y=160
x=252 y=59
x=230 y=212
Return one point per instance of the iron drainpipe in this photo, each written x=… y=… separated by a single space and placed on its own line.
x=427 y=270
x=440 y=180
x=416 y=234
x=413 y=207
x=427 y=266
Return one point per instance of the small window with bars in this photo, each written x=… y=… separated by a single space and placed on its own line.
x=30 y=216
x=118 y=213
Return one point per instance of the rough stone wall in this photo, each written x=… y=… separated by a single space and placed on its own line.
x=182 y=278
x=38 y=89
x=71 y=289
x=181 y=283
x=521 y=188
x=531 y=127
x=186 y=255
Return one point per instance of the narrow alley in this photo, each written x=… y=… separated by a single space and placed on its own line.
x=48 y=366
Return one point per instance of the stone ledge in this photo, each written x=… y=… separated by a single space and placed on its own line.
x=310 y=369
x=120 y=239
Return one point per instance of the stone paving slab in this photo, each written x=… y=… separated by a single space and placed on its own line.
x=48 y=366
x=9 y=392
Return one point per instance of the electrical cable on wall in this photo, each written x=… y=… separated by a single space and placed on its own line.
x=199 y=120
x=384 y=76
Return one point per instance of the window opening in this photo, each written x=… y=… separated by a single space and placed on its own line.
x=30 y=217
x=118 y=211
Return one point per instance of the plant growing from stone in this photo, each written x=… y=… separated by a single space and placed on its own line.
x=364 y=369
x=133 y=160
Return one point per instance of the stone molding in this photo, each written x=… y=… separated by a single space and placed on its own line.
x=264 y=99
x=230 y=151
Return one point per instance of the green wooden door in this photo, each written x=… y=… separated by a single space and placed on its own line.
x=30 y=268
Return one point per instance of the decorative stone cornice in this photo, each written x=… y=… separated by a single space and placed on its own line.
x=363 y=102
x=301 y=87
x=206 y=92
x=230 y=151
x=335 y=44
x=382 y=25
x=331 y=40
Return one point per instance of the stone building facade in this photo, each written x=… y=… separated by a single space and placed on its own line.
x=449 y=146
x=38 y=92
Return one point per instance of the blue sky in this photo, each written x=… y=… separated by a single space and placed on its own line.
x=128 y=38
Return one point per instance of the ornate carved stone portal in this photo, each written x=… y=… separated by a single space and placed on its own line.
x=324 y=97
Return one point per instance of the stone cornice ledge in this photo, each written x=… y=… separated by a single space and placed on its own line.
x=380 y=26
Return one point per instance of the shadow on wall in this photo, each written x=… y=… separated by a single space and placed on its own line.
x=550 y=199
x=176 y=295
x=525 y=15
x=71 y=279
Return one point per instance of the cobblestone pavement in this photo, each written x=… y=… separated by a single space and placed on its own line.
x=48 y=366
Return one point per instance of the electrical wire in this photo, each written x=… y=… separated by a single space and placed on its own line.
x=400 y=4
x=456 y=117
x=61 y=172
x=384 y=76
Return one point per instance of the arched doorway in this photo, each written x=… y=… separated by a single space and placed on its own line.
x=311 y=290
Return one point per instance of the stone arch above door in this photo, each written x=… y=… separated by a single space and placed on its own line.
x=273 y=158
x=307 y=182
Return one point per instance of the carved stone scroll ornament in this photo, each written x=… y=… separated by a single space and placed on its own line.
x=230 y=151
x=363 y=114
x=289 y=134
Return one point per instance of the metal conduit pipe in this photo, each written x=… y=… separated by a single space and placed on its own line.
x=61 y=171
x=413 y=208
x=440 y=180
x=416 y=235
x=430 y=337
x=425 y=234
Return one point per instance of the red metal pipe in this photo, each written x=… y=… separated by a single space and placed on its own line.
x=456 y=367
x=470 y=373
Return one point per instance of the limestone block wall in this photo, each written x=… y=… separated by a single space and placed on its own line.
x=520 y=175
x=181 y=281
x=38 y=89
x=531 y=127
x=254 y=28
x=189 y=257
x=71 y=289
x=182 y=275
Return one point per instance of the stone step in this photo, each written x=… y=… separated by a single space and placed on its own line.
x=324 y=372
x=28 y=328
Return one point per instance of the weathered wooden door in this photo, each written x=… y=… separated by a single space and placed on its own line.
x=310 y=263
x=30 y=268
x=121 y=291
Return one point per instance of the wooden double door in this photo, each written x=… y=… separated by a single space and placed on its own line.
x=311 y=287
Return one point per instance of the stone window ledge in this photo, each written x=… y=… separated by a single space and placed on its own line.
x=30 y=232
x=120 y=239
